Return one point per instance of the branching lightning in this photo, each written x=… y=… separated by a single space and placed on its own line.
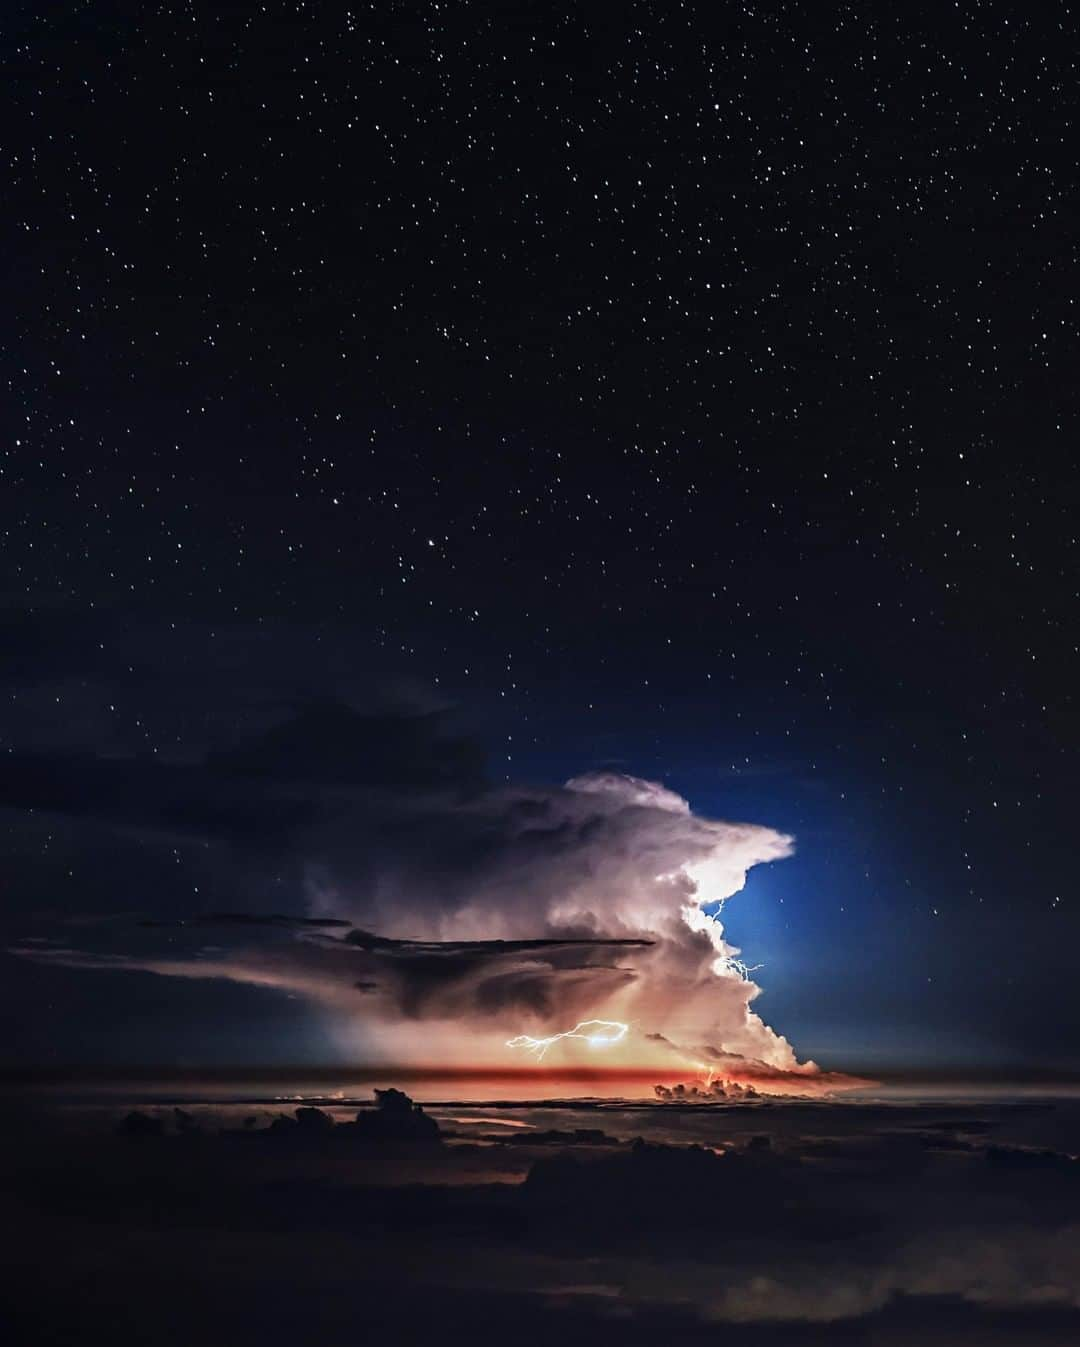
x=727 y=963
x=597 y=1033
x=740 y=969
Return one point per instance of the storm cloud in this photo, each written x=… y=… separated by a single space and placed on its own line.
x=428 y=897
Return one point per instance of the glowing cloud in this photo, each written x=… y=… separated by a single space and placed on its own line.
x=474 y=915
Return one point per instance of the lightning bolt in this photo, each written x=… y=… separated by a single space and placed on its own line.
x=597 y=1033
x=740 y=969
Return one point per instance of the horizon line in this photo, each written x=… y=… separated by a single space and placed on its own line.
x=915 y=1075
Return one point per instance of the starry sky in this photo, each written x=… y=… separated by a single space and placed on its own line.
x=685 y=390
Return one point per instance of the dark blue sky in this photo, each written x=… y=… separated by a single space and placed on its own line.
x=690 y=392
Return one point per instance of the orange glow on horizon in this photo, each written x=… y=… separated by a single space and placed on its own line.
x=609 y=1080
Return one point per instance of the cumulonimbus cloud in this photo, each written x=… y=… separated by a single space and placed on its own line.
x=496 y=912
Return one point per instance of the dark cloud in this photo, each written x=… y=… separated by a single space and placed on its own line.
x=274 y=919
x=396 y=1117
x=155 y=799
x=420 y=948
x=330 y=744
x=856 y=1223
x=261 y=793
x=416 y=980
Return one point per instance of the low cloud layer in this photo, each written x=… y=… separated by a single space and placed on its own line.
x=893 y=1222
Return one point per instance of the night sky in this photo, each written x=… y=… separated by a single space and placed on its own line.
x=682 y=390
